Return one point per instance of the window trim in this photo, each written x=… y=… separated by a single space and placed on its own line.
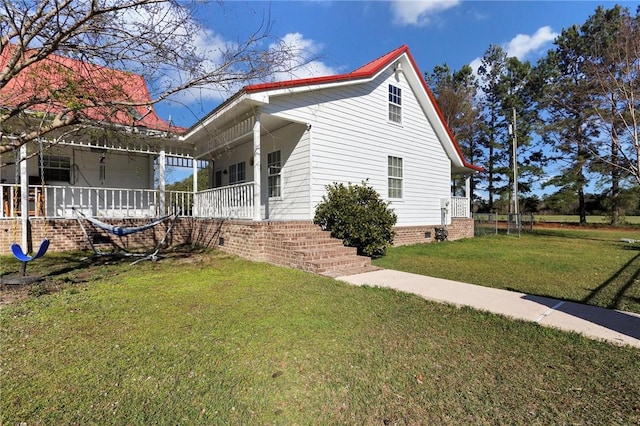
x=395 y=164
x=235 y=172
x=394 y=109
x=273 y=163
x=56 y=171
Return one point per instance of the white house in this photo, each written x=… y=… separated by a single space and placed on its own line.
x=378 y=123
x=272 y=150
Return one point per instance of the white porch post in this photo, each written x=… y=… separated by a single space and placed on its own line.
x=257 y=215
x=24 y=197
x=467 y=191
x=195 y=175
x=162 y=161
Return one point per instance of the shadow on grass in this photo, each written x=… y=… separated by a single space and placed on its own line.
x=574 y=234
x=617 y=321
x=631 y=269
x=71 y=265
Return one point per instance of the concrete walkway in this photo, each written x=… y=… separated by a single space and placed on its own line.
x=591 y=321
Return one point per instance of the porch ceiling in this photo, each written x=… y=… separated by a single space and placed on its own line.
x=218 y=136
x=121 y=138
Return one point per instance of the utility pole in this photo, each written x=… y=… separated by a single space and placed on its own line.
x=515 y=171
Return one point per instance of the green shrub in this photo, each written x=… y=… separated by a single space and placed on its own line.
x=357 y=215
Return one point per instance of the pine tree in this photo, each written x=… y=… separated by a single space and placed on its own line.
x=455 y=93
x=571 y=125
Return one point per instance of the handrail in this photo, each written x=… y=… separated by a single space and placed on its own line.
x=59 y=201
x=460 y=207
x=233 y=202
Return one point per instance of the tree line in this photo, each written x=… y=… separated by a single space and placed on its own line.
x=574 y=117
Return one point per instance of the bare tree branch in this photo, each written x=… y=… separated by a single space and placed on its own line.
x=156 y=39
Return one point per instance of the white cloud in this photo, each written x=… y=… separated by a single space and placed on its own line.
x=418 y=12
x=475 y=65
x=522 y=45
x=303 y=57
x=304 y=62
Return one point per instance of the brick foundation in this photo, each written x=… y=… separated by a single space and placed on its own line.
x=459 y=228
x=296 y=244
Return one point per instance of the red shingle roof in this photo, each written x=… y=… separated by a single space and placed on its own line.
x=56 y=82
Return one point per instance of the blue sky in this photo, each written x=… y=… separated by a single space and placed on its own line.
x=339 y=36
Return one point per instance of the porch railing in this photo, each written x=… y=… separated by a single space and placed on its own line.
x=460 y=207
x=235 y=202
x=60 y=201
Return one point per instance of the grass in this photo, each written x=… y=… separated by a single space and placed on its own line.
x=588 y=266
x=211 y=339
x=591 y=219
x=568 y=219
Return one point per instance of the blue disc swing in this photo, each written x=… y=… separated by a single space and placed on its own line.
x=16 y=250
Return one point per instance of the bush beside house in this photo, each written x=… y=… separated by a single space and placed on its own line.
x=357 y=215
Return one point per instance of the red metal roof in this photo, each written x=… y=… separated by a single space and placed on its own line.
x=57 y=82
x=365 y=71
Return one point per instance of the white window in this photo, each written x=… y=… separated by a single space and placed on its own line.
x=237 y=173
x=274 y=165
x=395 y=177
x=56 y=168
x=395 y=104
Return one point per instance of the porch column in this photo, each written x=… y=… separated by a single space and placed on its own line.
x=195 y=175
x=24 y=198
x=257 y=215
x=467 y=192
x=162 y=161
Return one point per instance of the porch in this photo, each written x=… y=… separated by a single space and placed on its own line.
x=228 y=202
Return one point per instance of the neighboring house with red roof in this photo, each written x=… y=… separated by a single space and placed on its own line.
x=114 y=140
x=94 y=94
x=273 y=148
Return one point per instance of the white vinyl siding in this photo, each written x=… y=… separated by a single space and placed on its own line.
x=349 y=130
x=292 y=141
x=394 y=177
x=96 y=169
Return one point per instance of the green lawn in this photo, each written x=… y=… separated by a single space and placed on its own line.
x=589 y=266
x=211 y=339
x=568 y=219
x=591 y=219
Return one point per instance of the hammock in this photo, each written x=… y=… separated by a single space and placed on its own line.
x=122 y=231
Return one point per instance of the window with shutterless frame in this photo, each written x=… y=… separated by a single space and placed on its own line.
x=274 y=167
x=237 y=173
x=56 y=168
x=394 y=172
x=395 y=104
